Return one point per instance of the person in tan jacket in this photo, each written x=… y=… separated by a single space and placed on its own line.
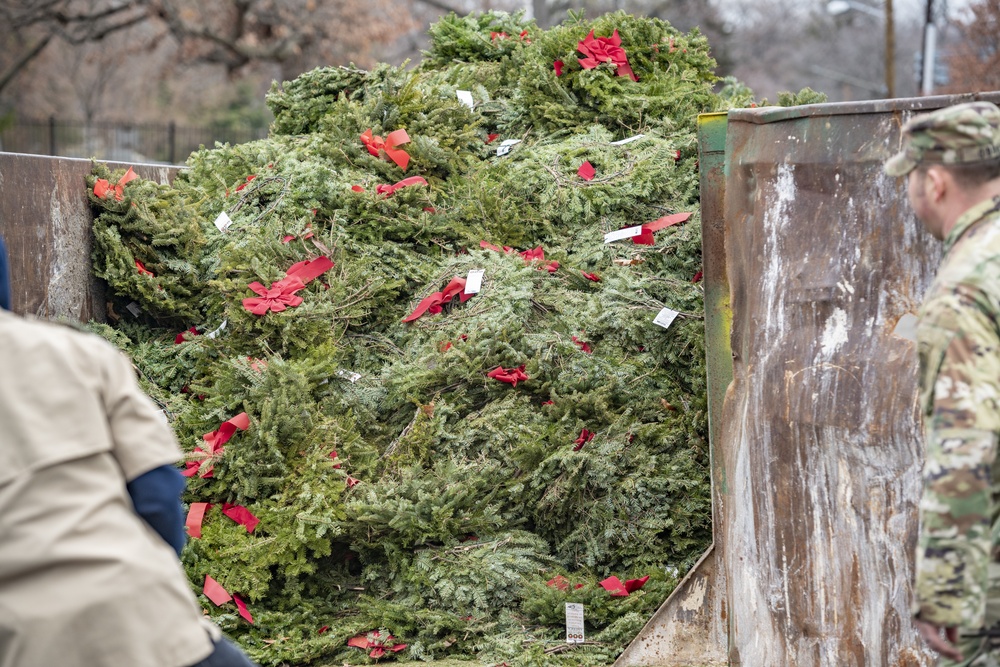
x=90 y=516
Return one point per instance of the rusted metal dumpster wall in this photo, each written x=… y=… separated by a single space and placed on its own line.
x=819 y=446
x=45 y=220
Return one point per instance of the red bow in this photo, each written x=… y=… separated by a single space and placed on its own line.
x=282 y=293
x=557 y=65
x=219 y=437
x=586 y=171
x=605 y=50
x=585 y=437
x=374 y=144
x=511 y=376
x=435 y=302
x=580 y=344
x=280 y=296
x=591 y=276
x=102 y=187
x=405 y=183
x=539 y=254
x=373 y=641
x=619 y=590
x=646 y=238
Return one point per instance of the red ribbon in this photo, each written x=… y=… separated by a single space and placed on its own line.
x=583 y=346
x=102 y=187
x=510 y=376
x=697 y=277
x=605 y=50
x=219 y=437
x=619 y=590
x=195 y=517
x=241 y=515
x=405 y=183
x=214 y=591
x=591 y=276
x=282 y=293
x=351 y=482
x=557 y=65
x=143 y=271
x=646 y=238
x=585 y=437
x=246 y=182
x=242 y=606
x=435 y=302
x=192 y=467
x=586 y=171
x=181 y=337
x=373 y=641
x=374 y=144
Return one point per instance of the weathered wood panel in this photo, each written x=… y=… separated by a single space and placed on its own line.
x=820 y=441
x=45 y=220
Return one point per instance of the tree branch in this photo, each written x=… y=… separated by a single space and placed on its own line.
x=14 y=69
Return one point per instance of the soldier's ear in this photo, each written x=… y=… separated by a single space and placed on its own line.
x=938 y=182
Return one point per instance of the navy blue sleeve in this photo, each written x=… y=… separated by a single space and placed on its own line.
x=156 y=496
x=4 y=278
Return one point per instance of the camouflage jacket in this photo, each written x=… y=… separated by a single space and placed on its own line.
x=959 y=344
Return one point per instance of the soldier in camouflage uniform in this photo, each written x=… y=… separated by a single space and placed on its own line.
x=952 y=161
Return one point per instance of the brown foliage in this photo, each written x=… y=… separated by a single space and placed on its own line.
x=974 y=64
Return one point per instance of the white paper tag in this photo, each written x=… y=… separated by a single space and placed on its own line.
x=223 y=222
x=349 y=375
x=665 y=317
x=215 y=333
x=622 y=142
x=506 y=145
x=906 y=327
x=134 y=309
x=626 y=233
x=465 y=97
x=474 y=281
x=574 y=623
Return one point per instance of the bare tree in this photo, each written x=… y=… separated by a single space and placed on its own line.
x=233 y=34
x=974 y=64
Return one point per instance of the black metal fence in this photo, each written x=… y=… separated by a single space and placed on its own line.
x=136 y=142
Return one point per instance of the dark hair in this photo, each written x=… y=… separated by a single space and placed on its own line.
x=974 y=174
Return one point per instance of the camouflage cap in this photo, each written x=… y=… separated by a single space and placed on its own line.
x=960 y=134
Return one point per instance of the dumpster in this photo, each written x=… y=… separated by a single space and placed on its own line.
x=816 y=441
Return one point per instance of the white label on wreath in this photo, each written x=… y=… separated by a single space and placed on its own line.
x=134 y=309
x=474 y=282
x=622 y=142
x=215 y=333
x=349 y=375
x=626 y=233
x=465 y=97
x=574 y=623
x=665 y=318
x=506 y=145
x=223 y=222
